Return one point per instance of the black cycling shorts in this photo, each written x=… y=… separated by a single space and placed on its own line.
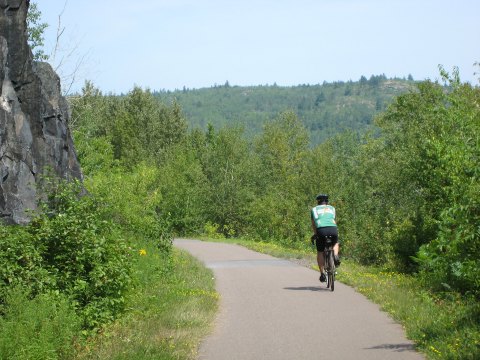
x=322 y=232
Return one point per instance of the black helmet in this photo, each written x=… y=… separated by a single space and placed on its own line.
x=322 y=198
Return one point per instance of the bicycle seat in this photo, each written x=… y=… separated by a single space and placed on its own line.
x=329 y=239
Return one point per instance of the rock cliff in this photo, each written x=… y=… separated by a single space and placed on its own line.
x=34 y=134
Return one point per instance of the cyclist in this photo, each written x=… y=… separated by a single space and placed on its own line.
x=324 y=224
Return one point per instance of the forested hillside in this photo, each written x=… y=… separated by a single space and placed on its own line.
x=324 y=110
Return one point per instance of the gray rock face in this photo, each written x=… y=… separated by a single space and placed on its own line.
x=34 y=134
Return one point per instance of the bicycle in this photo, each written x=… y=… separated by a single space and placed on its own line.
x=329 y=262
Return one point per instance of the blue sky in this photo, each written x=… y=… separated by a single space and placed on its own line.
x=169 y=44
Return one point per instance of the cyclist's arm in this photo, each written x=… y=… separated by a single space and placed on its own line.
x=314 y=227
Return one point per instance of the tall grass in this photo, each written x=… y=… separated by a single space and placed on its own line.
x=40 y=328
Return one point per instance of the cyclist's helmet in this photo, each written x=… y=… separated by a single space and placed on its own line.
x=322 y=198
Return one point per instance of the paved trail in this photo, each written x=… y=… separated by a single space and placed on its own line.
x=273 y=309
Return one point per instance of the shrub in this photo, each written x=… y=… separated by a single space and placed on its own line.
x=21 y=262
x=212 y=230
x=83 y=251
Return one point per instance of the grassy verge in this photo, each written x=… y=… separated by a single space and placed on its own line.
x=445 y=326
x=170 y=311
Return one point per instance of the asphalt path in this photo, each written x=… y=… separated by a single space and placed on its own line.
x=274 y=309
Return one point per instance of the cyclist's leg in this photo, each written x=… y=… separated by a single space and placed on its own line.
x=321 y=261
x=336 y=249
x=333 y=232
x=320 y=243
x=321 y=265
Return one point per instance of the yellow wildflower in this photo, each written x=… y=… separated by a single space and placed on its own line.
x=142 y=252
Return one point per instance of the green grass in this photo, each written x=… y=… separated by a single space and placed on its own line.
x=443 y=326
x=37 y=328
x=170 y=311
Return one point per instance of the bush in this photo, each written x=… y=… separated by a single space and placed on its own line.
x=83 y=251
x=21 y=263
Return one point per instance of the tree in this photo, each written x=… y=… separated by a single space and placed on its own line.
x=320 y=98
x=452 y=259
x=228 y=165
x=60 y=57
x=144 y=128
x=278 y=210
x=184 y=189
x=35 y=30
x=374 y=81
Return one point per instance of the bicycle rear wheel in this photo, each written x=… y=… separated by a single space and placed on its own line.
x=331 y=271
x=327 y=267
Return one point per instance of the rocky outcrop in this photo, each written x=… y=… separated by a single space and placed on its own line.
x=34 y=134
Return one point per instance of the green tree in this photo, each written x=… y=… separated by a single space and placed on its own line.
x=183 y=188
x=90 y=111
x=138 y=126
x=279 y=208
x=228 y=165
x=145 y=127
x=35 y=31
x=319 y=99
x=452 y=259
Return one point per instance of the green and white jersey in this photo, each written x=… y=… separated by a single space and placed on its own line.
x=324 y=215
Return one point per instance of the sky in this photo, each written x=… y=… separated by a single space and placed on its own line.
x=172 y=44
